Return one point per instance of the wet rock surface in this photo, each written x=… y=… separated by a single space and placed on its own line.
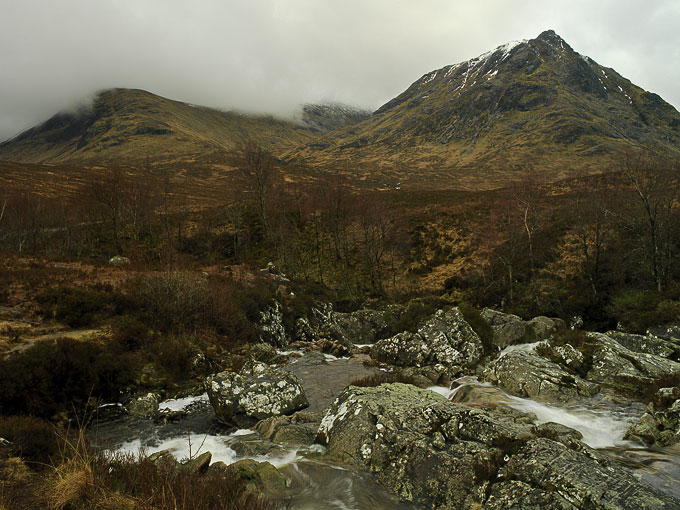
x=529 y=375
x=323 y=380
x=441 y=454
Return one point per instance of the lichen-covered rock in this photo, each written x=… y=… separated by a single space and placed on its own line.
x=616 y=366
x=254 y=395
x=444 y=455
x=262 y=352
x=419 y=445
x=660 y=424
x=144 y=406
x=581 y=481
x=509 y=329
x=566 y=355
x=446 y=338
x=545 y=326
x=360 y=327
x=669 y=332
x=648 y=344
x=271 y=328
x=528 y=375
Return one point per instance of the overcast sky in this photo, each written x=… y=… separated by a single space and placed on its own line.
x=272 y=55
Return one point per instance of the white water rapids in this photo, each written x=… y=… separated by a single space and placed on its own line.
x=601 y=428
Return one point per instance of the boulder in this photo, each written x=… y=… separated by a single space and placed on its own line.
x=669 y=332
x=446 y=338
x=289 y=430
x=263 y=352
x=529 y=375
x=255 y=394
x=509 y=329
x=660 y=425
x=439 y=454
x=198 y=465
x=261 y=476
x=144 y=406
x=119 y=261
x=626 y=370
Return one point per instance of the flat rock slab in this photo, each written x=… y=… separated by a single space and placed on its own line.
x=323 y=380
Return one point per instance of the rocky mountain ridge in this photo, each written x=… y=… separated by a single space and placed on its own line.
x=526 y=103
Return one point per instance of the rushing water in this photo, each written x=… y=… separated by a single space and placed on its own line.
x=602 y=419
x=602 y=422
x=314 y=483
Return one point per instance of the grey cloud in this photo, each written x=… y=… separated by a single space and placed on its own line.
x=272 y=55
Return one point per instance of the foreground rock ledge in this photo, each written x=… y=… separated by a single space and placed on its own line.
x=444 y=455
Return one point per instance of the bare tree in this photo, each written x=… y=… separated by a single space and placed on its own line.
x=592 y=226
x=652 y=214
x=258 y=165
x=530 y=197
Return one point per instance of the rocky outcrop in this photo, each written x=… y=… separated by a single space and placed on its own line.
x=529 y=375
x=510 y=329
x=634 y=372
x=440 y=454
x=446 y=339
x=256 y=393
x=660 y=424
x=271 y=328
x=578 y=481
x=360 y=327
x=647 y=344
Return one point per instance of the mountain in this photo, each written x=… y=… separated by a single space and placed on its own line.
x=126 y=125
x=477 y=123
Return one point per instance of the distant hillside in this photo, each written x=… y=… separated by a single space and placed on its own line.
x=476 y=123
x=331 y=116
x=132 y=125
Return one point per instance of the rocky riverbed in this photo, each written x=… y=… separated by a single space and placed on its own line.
x=557 y=419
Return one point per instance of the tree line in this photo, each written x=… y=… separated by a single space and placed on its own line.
x=536 y=247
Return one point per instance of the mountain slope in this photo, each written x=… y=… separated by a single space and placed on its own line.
x=131 y=125
x=474 y=124
x=331 y=116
